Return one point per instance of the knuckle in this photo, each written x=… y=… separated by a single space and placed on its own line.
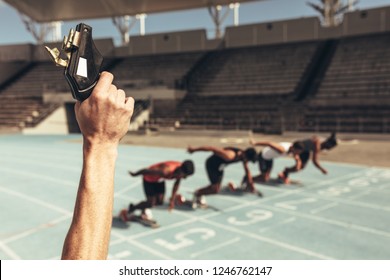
x=107 y=75
x=113 y=88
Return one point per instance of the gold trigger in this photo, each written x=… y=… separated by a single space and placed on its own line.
x=55 y=56
x=70 y=41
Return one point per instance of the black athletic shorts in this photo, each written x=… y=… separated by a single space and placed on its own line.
x=214 y=168
x=304 y=156
x=265 y=165
x=153 y=189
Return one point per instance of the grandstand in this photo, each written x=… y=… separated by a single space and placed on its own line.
x=22 y=99
x=354 y=94
x=285 y=80
x=241 y=88
x=268 y=77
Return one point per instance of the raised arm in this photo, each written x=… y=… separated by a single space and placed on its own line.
x=276 y=146
x=103 y=119
x=225 y=154
x=201 y=149
x=315 y=157
x=146 y=171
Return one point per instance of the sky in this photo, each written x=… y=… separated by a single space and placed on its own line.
x=13 y=31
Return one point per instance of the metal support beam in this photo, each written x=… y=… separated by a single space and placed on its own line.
x=218 y=18
x=124 y=25
x=43 y=32
x=332 y=11
x=235 y=7
x=351 y=5
x=142 y=21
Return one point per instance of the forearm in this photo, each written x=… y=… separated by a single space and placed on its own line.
x=248 y=175
x=89 y=234
x=316 y=161
x=203 y=149
x=317 y=164
x=174 y=189
x=139 y=172
x=261 y=143
x=275 y=146
x=173 y=195
x=249 y=178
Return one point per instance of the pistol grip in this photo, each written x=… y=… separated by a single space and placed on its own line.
x=82 y=72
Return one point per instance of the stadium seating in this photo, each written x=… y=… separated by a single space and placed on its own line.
x=360 y=68
x=354 y=94
x=39 y=76
x=27 y=111
x=221 y=112
x=241 y=88
x=262 y=88
x=262 y=70
x=21 y=99
x=348 y=118
x=153 y=70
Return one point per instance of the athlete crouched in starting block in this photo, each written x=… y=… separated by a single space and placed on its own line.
x=154 y=178
x=312 y=147
x=215 y=165
x=271 y=151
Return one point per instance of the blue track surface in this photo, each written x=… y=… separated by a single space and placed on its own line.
x=344 y=215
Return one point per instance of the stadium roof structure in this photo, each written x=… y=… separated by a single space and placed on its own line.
x=66 y=10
